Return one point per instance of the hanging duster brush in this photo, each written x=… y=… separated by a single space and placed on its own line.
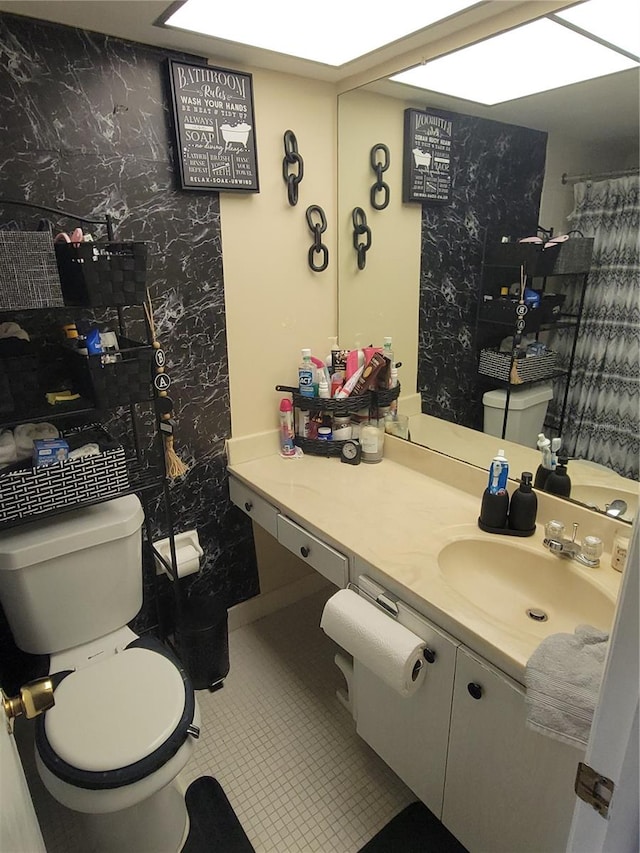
x=174 y=466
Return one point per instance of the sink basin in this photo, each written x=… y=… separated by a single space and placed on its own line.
x=508 y=581
x=600 y=496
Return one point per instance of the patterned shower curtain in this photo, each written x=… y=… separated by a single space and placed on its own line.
x=602 y=422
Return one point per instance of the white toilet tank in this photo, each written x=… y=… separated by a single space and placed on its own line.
x=73 y=578
x=527 y=411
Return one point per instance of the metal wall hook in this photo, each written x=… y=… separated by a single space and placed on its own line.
x=380 y=168
x=292 y=157
x=317 y=222
x=360 y=228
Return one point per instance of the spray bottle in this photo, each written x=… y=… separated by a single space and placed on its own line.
x=287 y=446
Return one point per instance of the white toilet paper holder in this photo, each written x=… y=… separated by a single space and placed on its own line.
x=188 y=554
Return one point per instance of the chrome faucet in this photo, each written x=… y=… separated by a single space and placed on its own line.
x=587 y=552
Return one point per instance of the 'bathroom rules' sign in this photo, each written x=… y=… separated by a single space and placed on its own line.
x=215 y=128
x=426 y=167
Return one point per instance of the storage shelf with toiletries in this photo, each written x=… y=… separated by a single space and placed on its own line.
x=342 y=416
x=78 y=361
x=522 y=300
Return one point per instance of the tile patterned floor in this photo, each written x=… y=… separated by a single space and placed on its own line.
x=281 y=745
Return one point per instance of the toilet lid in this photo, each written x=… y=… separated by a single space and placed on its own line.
x=114 y=713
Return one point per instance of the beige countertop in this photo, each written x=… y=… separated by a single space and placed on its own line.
x=397 y=516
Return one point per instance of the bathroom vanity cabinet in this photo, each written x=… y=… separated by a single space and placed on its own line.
x=507 y=788
x=462 y=745
x=325 y=559
x=461 y=742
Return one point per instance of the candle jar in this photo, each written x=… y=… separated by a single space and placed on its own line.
x=372 y=440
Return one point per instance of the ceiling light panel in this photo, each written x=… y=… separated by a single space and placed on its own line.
x=333 y=32
x=536 y=57
x=615 y=21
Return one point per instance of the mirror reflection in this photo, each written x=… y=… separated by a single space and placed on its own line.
x=426 y=279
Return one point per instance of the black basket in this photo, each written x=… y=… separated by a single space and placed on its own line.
x=28 y=274
x=127 y=380
x=102 y=274
x=534 y=257
x=319 y=447
x=35 y=491
x=383 y=397
x=574 y=257
x=19 y=384
x=502 y=312
x=551 y=307
x=342 y=406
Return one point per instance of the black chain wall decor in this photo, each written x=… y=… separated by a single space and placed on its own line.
x=292 y=158
x=317 y=222
x=360 y=228
x=380 y=159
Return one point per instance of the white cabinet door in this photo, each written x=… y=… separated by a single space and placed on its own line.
x=410 y=733
x=19 y=829
x=508 y=789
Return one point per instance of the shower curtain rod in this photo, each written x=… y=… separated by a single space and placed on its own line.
x=598 y=175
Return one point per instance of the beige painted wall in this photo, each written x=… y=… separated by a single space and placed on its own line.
x=275 y=304
x=382 y=299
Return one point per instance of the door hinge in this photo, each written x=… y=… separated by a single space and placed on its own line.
x=594 y=789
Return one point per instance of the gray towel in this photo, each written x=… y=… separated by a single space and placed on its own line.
x=563 y=678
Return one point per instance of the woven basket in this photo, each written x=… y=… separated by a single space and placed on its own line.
x=102 y=274
x=28 y=273
x=40 y=490
x=534 y=368
x=128 y=380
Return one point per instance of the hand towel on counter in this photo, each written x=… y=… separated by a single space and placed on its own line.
x=375 y=639
x=26 y=434
x=7 y=448
x=562 y=680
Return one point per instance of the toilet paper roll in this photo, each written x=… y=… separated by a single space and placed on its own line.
x=384 y=646
x=188 y=561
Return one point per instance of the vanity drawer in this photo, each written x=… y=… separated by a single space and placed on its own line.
x=254 y=506
x=331 y=564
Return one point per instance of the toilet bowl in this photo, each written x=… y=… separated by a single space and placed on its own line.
x=125 y=719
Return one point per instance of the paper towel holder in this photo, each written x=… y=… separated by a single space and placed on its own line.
x=187 y=543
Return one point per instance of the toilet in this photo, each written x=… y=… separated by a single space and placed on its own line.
x=527 y=411
x=125 y=719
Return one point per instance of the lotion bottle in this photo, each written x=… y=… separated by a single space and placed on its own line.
x=558 y=481
x=524 y=506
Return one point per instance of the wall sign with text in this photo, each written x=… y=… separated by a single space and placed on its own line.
x=426 y=168
x=215 y=127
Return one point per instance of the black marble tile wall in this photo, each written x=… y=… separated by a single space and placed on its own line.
x=85 y=126
x=497 y=174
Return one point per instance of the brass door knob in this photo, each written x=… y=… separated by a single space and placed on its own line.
x=35 y=698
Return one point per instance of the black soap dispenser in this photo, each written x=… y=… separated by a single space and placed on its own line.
x=524 y=506
x=558 y=481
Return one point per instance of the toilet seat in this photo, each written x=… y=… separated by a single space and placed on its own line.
x=118 y=720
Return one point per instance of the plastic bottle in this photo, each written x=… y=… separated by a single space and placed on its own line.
x=524 y=505
x=544 y=468
x=558 y=481
x=498 y=474
x=323 y=386
x=306 y=374
x=387 y=352
x=393 y=381
x=287 y=446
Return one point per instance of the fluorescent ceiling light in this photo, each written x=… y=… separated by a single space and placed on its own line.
x=614 y=21
x=533 y=58
x=332 y=32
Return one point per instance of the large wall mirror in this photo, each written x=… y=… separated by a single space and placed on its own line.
x=422 y=275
